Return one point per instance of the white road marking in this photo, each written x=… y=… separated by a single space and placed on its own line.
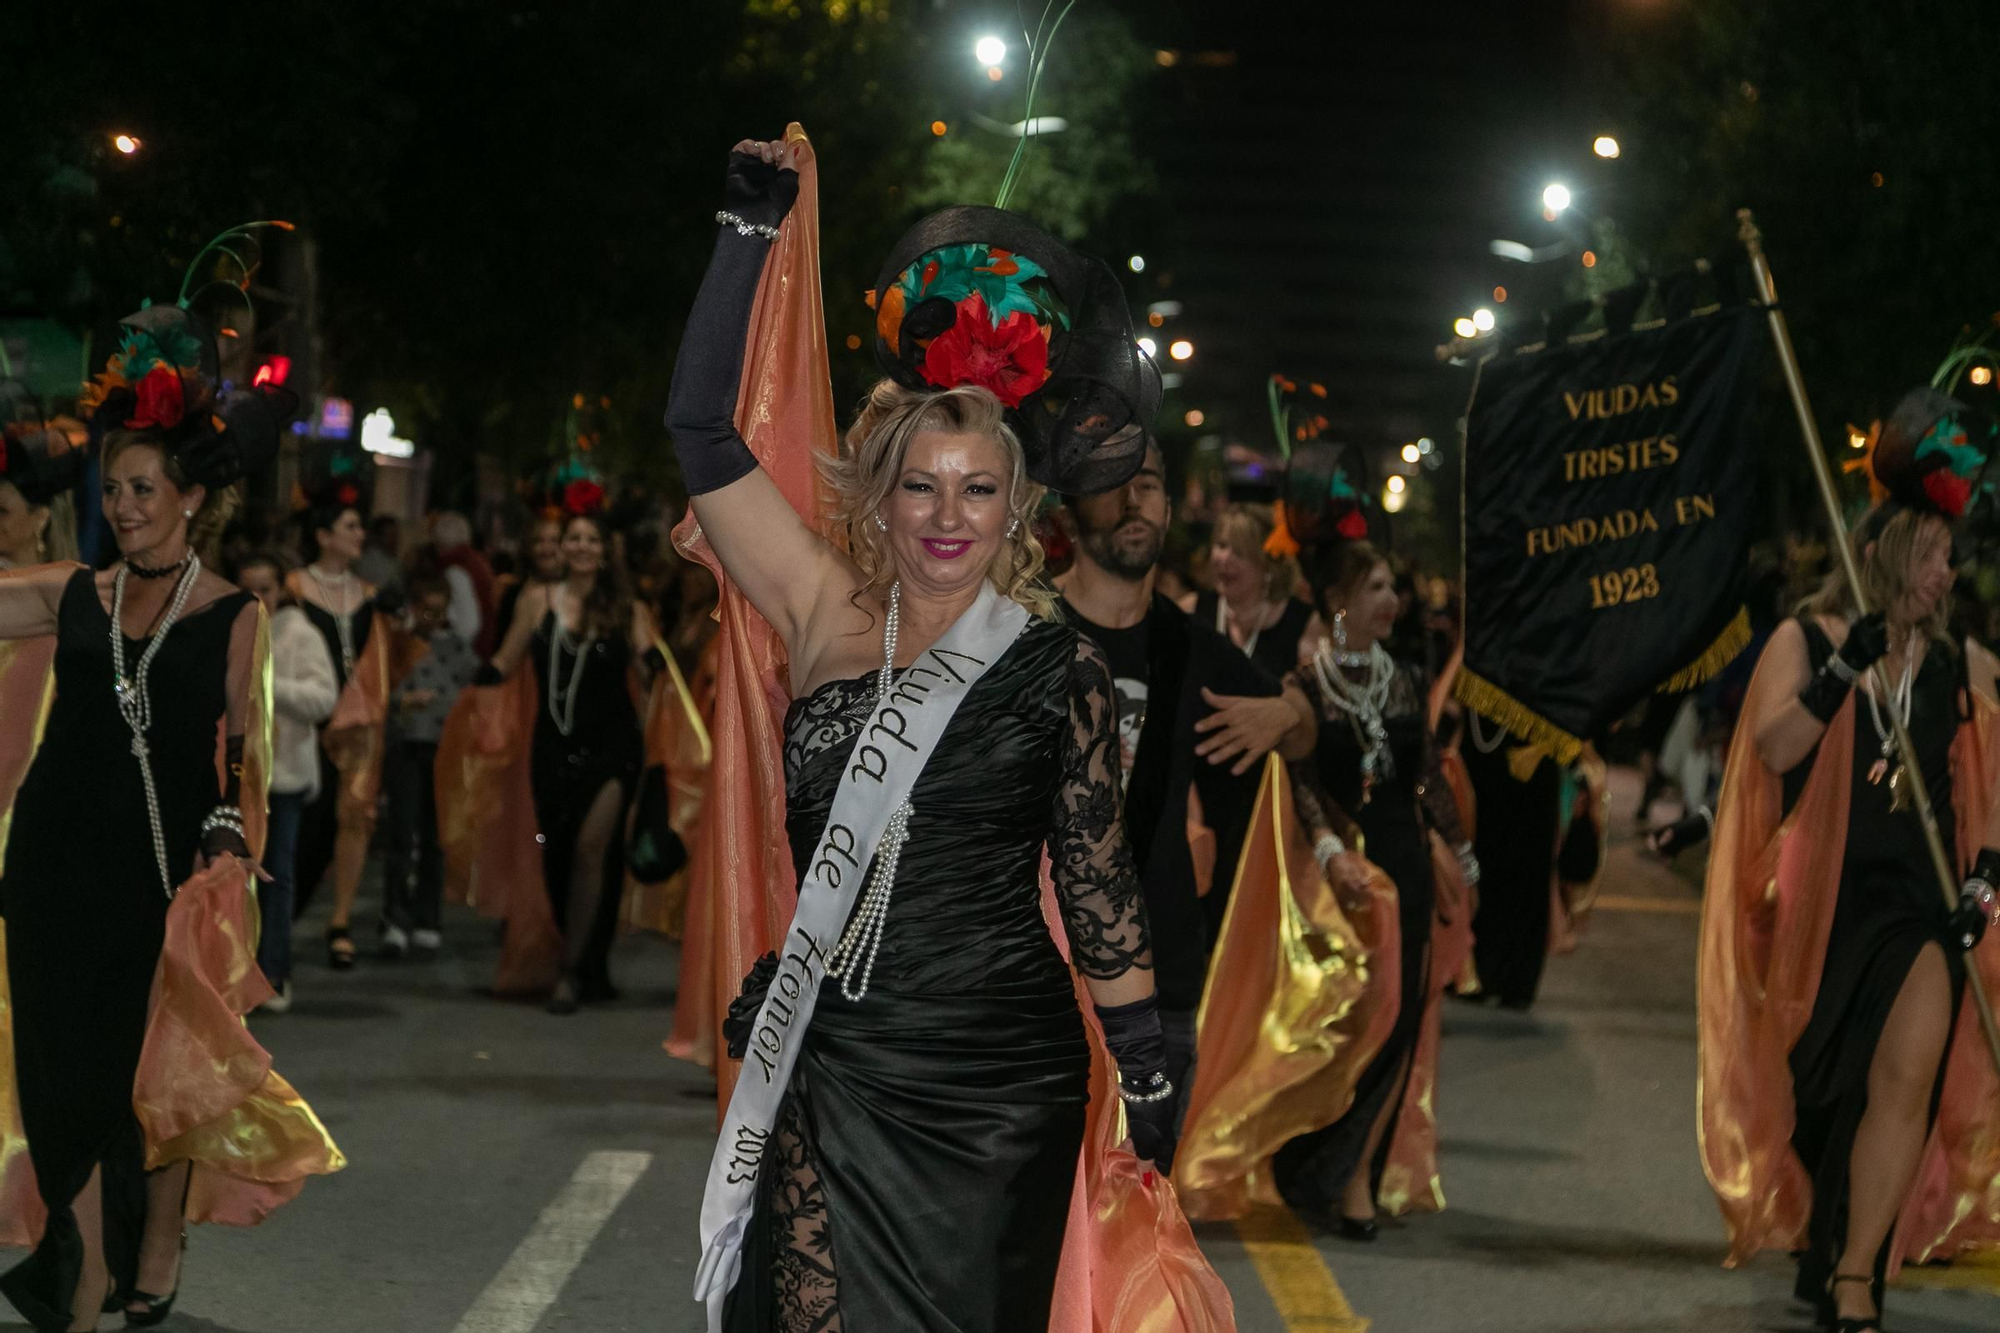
x=515 y=1300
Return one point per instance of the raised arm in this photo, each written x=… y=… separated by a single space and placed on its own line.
x=31 y=598
x=781 y=565
x=1791 y=704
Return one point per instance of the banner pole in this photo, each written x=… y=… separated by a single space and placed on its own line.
x=1753 y=243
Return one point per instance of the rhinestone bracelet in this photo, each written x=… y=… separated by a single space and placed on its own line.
x=1327 y=848
x=745 y=227
x=223 y=817
x=1158 y=1090
x=1842 y=672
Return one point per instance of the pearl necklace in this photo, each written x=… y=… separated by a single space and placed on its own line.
x=562 y=706
x=1363 y=703
x=342 y=616
x=1900 y=697
x=862 y=940
x=135 y=701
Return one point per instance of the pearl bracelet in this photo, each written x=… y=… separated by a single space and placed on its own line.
x=744 y=227
x=1327 y=848
x=1158 y=1090
x=223 y=817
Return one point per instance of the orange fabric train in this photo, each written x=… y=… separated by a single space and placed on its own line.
x=1766 y=919
x=1301 y=996
x=205 y=1091
x=1129 y=1262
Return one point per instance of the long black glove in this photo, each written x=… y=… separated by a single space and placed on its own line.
x=1132 y=1032
x=701 y=407
x=1682 y=834
x=1975 y=905
x=1867 y=643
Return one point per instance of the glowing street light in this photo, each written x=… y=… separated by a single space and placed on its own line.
x=1855 y=439
x=1137 y=263
x=1195 y=416
x=1981 y=375
x=1604 y=146
x=989 y=50
x=1180 y=349
x=1464 y=327
x=1394 y=498
x=1424 y=445
x=1482 y=319
x=1396 y=485
x=1149 y=347
x=1410 y=453
x=125 y=143
x=1556 y=198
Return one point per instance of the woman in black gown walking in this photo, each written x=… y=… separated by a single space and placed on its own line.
x=586 y=635
x=921 y=1163
x=1372 y=787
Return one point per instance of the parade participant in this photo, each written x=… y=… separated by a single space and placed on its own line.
x=1185 y=696
x=949 y=1007
x=1254 y=602
x=545 y=565
x=441 y=664
x=304 y=690
x=469 y=577
x=343 y=609
x=1372 y=789
x=585 y=635
x=37 y=517
x=126 y=947
x=380 y=563
x=1834 y=1033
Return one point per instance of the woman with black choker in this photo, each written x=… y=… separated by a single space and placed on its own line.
x=586 y=635
x=157 y=666
x=950 y=1006
x=1834 y=1029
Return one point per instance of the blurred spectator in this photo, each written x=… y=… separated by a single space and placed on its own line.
x=469 y=577
x=381 y=561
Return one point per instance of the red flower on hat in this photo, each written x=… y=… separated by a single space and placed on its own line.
x=1353 y=525
x=162 y=401
x=347 y=494
x=1948 y=491
x=583 y=496
x=1011 y=360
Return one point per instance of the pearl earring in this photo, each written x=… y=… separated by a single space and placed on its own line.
x=881 y=523
x=1013 y=528
x=187 y=513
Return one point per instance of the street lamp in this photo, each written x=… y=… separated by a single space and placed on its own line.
x=1180 y=349
x=1396 y=485
x=125 y=143
x=1464 y=327
x=989 y=51
x=1137 y=263
x=1555 y=197
x=1149 y=347
x=1981 y=375
x=1482 y=319
x=1604 y=146
x=1410 y=453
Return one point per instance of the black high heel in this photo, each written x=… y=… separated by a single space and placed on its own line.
x=340 y=948
x=1862 y=1324
x=157 y=1307
x=1361 y=1230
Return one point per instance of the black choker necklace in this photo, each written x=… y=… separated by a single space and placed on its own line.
x=164 y=571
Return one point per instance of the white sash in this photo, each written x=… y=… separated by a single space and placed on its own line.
x=890 y=752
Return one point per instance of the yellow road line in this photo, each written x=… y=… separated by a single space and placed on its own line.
x=1303 y=1288
x=1668 y=906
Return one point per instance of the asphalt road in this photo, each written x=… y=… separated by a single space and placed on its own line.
x=515 y=1172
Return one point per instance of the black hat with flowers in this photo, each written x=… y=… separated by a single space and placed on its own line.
x=980 y=296
x=1933 y=454
x=164 y=378
x=1327 y=495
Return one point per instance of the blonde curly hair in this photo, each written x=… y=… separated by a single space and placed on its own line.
x=870 y=461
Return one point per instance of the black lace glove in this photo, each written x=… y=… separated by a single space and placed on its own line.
x=1975 y=905
x=741 y=1020
x=1867 y=643
x=1682 y=833
x=488 y=674
x=1152 y=1104
x=757 y=191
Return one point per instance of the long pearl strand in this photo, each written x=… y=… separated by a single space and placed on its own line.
x=342 y=617
x=135 y=701
x=862 y=940
x=562 y=704
x=1363 y=703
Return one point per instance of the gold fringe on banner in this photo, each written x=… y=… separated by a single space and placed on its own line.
x=1482 y=696
x=1735 y=637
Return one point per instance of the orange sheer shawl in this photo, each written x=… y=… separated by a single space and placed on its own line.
x=1766 y=919
x=204 y=1091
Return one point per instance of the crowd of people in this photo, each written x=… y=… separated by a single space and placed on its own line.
x=1073 y=862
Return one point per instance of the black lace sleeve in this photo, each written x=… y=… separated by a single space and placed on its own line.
x=1097 y=884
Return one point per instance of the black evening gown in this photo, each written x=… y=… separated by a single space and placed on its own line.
x=1889 y=908
x=86 y=918
x=319 y=823
x=1311 y=1172
x=568 y=772
x=921 y=1171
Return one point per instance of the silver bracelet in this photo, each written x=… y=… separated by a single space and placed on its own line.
x=744 y=227
x=223 y=817
x=1327 y=848
x=1158 y=1090
x=1469 y=864
x=1842 y=672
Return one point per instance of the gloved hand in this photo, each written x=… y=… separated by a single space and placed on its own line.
x=741 y=1020
x=1153 y=1128
x=1867 y=643
x=488 y=674
x=758 y=191
x=1681 y=834
x=1152 y=1104
x=1975 y=905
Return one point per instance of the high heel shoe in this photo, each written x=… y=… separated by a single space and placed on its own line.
x=157 y=1307
x=1361 y=1230
x=1855 y=1324
x=340 y=948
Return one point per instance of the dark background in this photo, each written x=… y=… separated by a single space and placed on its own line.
x=503 y=205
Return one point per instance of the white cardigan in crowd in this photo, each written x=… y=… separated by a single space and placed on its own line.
x=304 y=690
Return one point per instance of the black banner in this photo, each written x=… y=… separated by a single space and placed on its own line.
x=1608 y=497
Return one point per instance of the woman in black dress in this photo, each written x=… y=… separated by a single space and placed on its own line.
x=86 y=915
x=585 y=636
x=1372 y=788
x=1867 y=1067
x=922 y=1159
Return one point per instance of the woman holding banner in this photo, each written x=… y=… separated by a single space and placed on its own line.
x=1833 y=972
x=929 y=636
